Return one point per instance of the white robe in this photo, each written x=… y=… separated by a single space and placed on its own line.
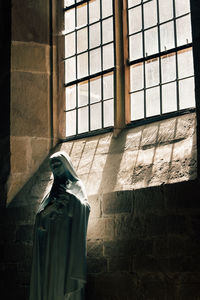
x=59 y=251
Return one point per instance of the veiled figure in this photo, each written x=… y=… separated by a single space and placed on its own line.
x=59 y=249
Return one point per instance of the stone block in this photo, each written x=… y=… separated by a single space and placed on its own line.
x=19 y=155
x=149 y=263
x=40 y=149
x=29 y=57
x=96 y=265
x=94 y=249
x=149 y=200
x=176 y=224
x=118 y=202
x=38 y=29
x=7 y=233
x=127 y=227
x=15 y=253
x=120 y=264
x=155 y=225
x=181 y=196
x=30 y=104
x=95 y=205
x=101 y=228
x=189 y=291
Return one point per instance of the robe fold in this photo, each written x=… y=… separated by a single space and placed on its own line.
x=59 y=250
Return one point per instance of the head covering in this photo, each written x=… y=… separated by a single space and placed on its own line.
x=74 y=185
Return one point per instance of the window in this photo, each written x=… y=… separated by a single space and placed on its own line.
x=158 y=72
x=89 y=65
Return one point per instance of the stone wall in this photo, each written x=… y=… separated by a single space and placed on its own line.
x=34 y=88
x=143 y=238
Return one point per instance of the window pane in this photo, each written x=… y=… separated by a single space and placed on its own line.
x=108 y=86
x=70 y=69
x=108 y=57
x=95 y=116
x=95 y=37
x=95 y=90
x=150 y=13
x=82 y=40
x=165 y=10
x=151 y=41
x=167 y=36
x=153 y=102
x=108 y=109
x=94 y=11
x=107 y=28
x=82 y=119
x=137 y=106
x=71 y=123
x=184 y=34
x=135 y=20
x=95 y=61
x=82 y=61
x=152 y=72
x=135 y=47
x=133 y=2
x=70 y=96
x=169 y=97
x=81 y=15
x=70 y=44
x=168 y=68
x=69 y=20
x=186 y=93
x=106 y=8
x=83 y=93
x=137 y=77
x=68 y=2
x=182 y=7
x=185 y=64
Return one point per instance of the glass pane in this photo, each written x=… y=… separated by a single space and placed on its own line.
x=135 y=47
x=108 y=108
x=95 y=38
x=186 y=93
x=137 y=106
x=151 y=41
x=71 y=123
x=82 y=61
x=107 y=29
x=168 y=68
x=150 y=13
x=95 y=61
x=135 y=20
x=169 y=98
x=185 y=64
x=68 y=2
x=108 y=86
x=167 y=36
x=83 y=93
x=165 y=10
x=81 y=15
x=70 y=96
x=82 y=40
x=106 y=8
x=133 y=2
x=108 y=57
x=70 y=44
x=82 y=119
x=184 y=34
x=70 y=69
x=182 y=7
x=95 y=116
x=137 y=77
x=69 y=20
x=153 y=102
x=152 y=72
x=94 y=11
x=95 y=90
